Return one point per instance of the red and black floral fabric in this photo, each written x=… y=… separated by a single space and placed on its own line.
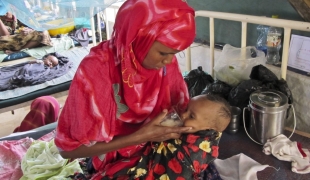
x=179 y=159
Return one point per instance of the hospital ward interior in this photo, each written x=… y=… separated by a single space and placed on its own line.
x=253 y=54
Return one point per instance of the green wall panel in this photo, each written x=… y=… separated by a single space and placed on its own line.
x=230 y=32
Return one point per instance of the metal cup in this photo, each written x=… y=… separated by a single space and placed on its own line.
x=234 y=124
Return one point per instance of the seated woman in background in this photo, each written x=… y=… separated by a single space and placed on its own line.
x=43 y=110
x=14 y=36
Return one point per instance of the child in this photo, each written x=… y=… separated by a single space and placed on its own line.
x=189 y=156
x=48 y=60
x=34 y=72
x=204 y=112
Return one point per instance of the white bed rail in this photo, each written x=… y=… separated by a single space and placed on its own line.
x=287 y=25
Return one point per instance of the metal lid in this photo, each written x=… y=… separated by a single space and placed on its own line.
x=269 y=100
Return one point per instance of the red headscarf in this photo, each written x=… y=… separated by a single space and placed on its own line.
x=43 y=110
x=112 y=93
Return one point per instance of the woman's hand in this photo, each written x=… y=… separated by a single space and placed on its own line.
x=153 y=131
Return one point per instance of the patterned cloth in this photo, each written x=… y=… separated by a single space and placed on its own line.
x=112 y=94
x=43 y=110
x=180 y=159
x=17 y=41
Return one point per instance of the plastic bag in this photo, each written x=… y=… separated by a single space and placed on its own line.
x=197 y=80
x=261 y=78
x=263 y=74
x=235 y=64
x=218 y=87
x=271 y=81
x=240 y=95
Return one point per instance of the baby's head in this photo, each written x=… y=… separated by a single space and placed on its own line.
x=207 y=111
x=50 y=60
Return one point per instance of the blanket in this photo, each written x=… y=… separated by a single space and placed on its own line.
x=43 y=161
x=12 y=153
x=184 y=158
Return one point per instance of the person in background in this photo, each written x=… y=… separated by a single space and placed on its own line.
x=43 y=110
x=8 y=24
x=123 y=88
x=15 y=36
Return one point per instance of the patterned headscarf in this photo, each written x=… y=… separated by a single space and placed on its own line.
x=139 y=23
x=112 y=94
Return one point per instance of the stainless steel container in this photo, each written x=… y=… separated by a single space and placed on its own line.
x=268 y=113
x=234 y=124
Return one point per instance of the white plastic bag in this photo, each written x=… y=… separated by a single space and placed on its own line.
x=235 y=64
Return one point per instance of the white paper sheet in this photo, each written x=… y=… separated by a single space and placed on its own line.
x=299 y=53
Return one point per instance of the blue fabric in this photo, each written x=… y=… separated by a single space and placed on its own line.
x=14 y=56
x=3 y=7
x=40 y=14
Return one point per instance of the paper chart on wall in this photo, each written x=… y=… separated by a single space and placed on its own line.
x=299 y=53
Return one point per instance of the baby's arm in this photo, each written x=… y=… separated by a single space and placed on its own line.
x=35 y=61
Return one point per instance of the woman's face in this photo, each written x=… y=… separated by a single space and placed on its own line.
x=158 y=56
x=50 y=61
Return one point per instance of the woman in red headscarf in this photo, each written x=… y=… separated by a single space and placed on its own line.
x=123 y=88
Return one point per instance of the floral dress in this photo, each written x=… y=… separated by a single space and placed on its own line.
x=179 y=159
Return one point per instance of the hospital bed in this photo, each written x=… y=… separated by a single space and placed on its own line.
x=58 y=87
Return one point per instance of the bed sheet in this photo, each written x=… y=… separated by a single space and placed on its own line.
x=75 y=55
